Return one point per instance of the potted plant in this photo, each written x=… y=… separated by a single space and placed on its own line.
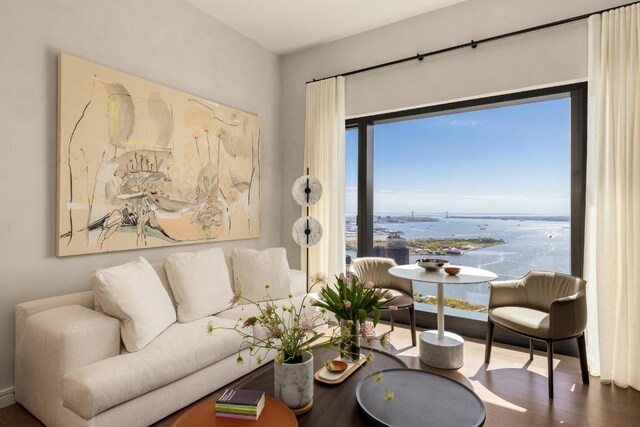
x=352 y=301
x=290 y=330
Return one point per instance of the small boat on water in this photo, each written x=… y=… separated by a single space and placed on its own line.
x=453 y=251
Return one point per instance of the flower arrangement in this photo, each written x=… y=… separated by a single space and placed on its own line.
x=287 y=329
x=352 y=300
x=291 y=329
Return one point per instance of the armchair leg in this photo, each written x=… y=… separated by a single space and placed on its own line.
x=530 y=349
x=582 y=350
x=487 y=348
x=412 y=319
x=391 y=318
x=550 y=365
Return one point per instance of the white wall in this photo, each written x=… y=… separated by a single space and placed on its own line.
x=169 y=42
x=542 y=58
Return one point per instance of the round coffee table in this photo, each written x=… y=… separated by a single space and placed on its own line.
x=333 y=405
x=275 y=413
x=442 y=349
x=421 y=399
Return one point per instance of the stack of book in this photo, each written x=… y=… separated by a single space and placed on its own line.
x=243 y=404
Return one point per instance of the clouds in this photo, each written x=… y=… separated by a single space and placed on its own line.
x=461 y=123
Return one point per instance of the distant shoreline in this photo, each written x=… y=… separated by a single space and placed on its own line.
x=405 y=218
x=423 y=246
x=560 y=218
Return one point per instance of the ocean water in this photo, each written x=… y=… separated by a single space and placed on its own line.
x=530 y=244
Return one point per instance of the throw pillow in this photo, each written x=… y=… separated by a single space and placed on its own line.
x=134 y=294
x=252 y=270
x=200 y=283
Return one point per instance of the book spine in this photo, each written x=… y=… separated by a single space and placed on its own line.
x=242 y=417
x=237 y=411
x=245 y=407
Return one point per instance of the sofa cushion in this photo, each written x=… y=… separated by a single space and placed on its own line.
x=521 y=319
x=159 y=269
x=133 y=294
x=182 y=349
x=252 y=270
x=200 y=283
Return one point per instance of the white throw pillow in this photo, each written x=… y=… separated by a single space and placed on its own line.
x=133 y=293
x=200 y=283
x=252 y=270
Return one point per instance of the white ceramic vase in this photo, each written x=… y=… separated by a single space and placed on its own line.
x=293 y=382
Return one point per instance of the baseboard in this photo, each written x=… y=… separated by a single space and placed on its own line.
x=7 y=397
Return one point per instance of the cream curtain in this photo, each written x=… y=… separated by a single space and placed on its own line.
x=324 y=156
x=612 y=233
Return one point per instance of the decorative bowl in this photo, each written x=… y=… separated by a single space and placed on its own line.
x=432 y=264
x=452 y=271
x=336 y=366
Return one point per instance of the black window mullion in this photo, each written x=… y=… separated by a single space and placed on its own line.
x=578 y=177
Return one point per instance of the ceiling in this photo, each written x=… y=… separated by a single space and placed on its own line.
x=286 y=26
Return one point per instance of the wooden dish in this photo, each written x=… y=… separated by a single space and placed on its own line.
x=336 y=366
x=339 y=378
x=452 y=271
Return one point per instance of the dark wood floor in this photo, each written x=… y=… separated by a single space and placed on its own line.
x=513 y=389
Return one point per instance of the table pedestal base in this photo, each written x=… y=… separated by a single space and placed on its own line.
x=445 y=353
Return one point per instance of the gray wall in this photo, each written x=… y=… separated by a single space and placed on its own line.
x=169 y=42
x=542 y=58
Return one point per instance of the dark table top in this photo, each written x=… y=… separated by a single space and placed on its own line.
x=333 y=405
x=422 y=399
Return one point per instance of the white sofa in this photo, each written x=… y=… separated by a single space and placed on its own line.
x=72 y=369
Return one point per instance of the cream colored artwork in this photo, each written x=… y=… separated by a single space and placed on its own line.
x=141 y=165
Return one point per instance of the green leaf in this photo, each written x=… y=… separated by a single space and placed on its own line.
x=362 y=315
x=376 y=316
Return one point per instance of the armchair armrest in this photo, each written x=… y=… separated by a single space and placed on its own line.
x=506 y=293
x=568 y=316
x=53 y=343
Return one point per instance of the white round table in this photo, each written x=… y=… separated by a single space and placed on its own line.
x=442 y=349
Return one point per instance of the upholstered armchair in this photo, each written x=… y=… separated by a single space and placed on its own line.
x=377 y=270
x=541 y=306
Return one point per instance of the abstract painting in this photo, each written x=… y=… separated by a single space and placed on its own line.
x=141 y=165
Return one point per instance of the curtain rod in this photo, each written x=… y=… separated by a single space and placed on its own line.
x=473 y=43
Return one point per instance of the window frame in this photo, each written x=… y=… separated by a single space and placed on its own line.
x=577 y=92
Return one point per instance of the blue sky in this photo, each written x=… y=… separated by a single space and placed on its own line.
x=513 y=159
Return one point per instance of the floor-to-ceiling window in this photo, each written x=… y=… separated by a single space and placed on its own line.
x=351 y=178
x=494 y=183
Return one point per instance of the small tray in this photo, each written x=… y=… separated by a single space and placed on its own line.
x=324 y=376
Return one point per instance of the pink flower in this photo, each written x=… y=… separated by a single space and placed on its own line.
x=369 y=284
x=319 y=277
x=342 y=276
x=306 y=323
x=388 y=295
x=237 y=293
x=347 y=305
x=250 y=321
x=393 y=308
x=377 y=292
x=367 y=332
x=268 y=308
x=273 y=331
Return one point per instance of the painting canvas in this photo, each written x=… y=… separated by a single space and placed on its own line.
x=141 y=165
